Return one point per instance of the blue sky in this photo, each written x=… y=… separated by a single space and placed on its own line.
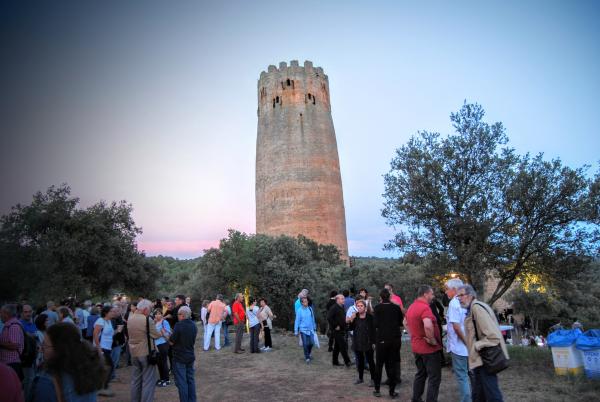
x=155 y=102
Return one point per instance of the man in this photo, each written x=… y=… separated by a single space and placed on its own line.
x=143 y=377
x=28 y=368
x=216 y=313
x=479 y=314
x=426 y=340
x=239 y=320
x=182 y=341
x=51 y=313
x=336 y=318
x=394 y=298
x=12 y=339
x=456 y=339
x=388 y=323
x=330 y=302
x=81 y=314
x=179 y=302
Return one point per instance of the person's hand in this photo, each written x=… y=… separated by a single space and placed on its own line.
x=337 y=328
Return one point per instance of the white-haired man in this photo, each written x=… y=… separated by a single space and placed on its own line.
x=141 y=327
x=456 y=339
x=182 y=341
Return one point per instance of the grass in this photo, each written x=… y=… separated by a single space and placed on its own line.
x=282 y=375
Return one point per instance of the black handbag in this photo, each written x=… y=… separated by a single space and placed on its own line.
x=493 y=358
x=152 y=353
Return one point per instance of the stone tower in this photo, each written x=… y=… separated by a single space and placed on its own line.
x=298 y=181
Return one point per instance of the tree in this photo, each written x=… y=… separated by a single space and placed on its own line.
x=473 y=206
x=53 y=249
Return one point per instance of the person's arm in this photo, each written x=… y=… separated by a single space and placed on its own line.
x=97 y=331
x=8 y=344
x=297 y=322
x=153 y=331
x=429 y=331
x=454 y=318
x=459 y=332
x=487 y=329
x=174 y=337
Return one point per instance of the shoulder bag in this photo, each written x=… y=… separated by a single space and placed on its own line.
x=152 y=353
x=494 y=360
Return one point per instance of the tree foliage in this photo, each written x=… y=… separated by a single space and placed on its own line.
x=51 y=248
x=474 y=206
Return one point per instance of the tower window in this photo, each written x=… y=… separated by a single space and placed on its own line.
x=277 y=99
x=309 y=96
x=288 y=82
x=273 y=103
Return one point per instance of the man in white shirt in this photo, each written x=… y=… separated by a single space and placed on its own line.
x=456 y=340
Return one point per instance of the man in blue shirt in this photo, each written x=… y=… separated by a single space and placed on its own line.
x=348 y=300
x=27 y=320
x=182 y=342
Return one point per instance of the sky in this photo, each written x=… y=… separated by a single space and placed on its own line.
x=155 y=102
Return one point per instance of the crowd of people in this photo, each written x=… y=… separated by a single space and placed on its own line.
x=43 y=355
x=375 y=331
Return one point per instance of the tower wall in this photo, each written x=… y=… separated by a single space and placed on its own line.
x=298 y=181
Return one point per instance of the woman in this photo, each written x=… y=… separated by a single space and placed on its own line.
x=361 y=323
x=265 y=315
x=161 y=343
x=368 y=300
x=91 y=320
x=306 y=326
x=41 y=324
x=254 y=323
x=65 y=315
x=103 y=340
x=73 y=370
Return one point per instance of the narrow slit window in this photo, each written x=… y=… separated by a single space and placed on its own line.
x=288 y=82
x=277 y=99
x=273 y=102
x=309 y=96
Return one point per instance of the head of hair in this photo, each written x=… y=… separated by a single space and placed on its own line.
x=10 y=309
x=94 y=311
x=262 y=299
x=389 y=285
x=156 y=311
x=358 y=297
x=144 y=304
x=180 y=297
x=361 y=301
x=346 y=293
x=105 y=310
x=422 y=289
x=76 y=357
x=333 y=293
x=303 y=293
x=469 y=290
x=385 y=295
x=205 y=303
x=363 y=290
x=49 y=304
x=185 y=310
x=40 y=322
x=220 y=297
x=64 y=311
x=454 y=283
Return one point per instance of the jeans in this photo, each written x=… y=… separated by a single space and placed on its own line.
x=210 y=329
x=184 y=379
x=429 y=368
x=225 y=335
x=109 y=364
x=239 y=335
x=29 y=374
x=143 y=380
x=460 y=367
x=115 y=355
x=254 y=333
x=485 y=386
x=307 y=344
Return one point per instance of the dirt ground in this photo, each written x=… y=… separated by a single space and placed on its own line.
x=283 y=375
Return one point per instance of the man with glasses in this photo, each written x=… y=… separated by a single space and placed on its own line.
x=482 y=331
x=457 y=344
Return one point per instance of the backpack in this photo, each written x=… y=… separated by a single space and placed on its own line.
x=29 y=353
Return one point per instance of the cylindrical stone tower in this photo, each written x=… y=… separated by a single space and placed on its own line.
x=298 y=181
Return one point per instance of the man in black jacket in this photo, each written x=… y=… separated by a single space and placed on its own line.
x=337 y=322
x=388 y=322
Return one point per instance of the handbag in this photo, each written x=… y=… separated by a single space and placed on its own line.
x=152 y=353
x=493 y=358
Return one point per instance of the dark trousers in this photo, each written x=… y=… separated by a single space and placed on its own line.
x=387 y=355
x=330 y=341
x=340 y=346
x=268 y=341
x=239 y=334
x=360 y=363
x=18 y=369
x=254 y=333
x=163 y=359
x=485 y=386
x=429 y=368
x=109 y=362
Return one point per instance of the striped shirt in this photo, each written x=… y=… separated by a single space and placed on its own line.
x=13 y=333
